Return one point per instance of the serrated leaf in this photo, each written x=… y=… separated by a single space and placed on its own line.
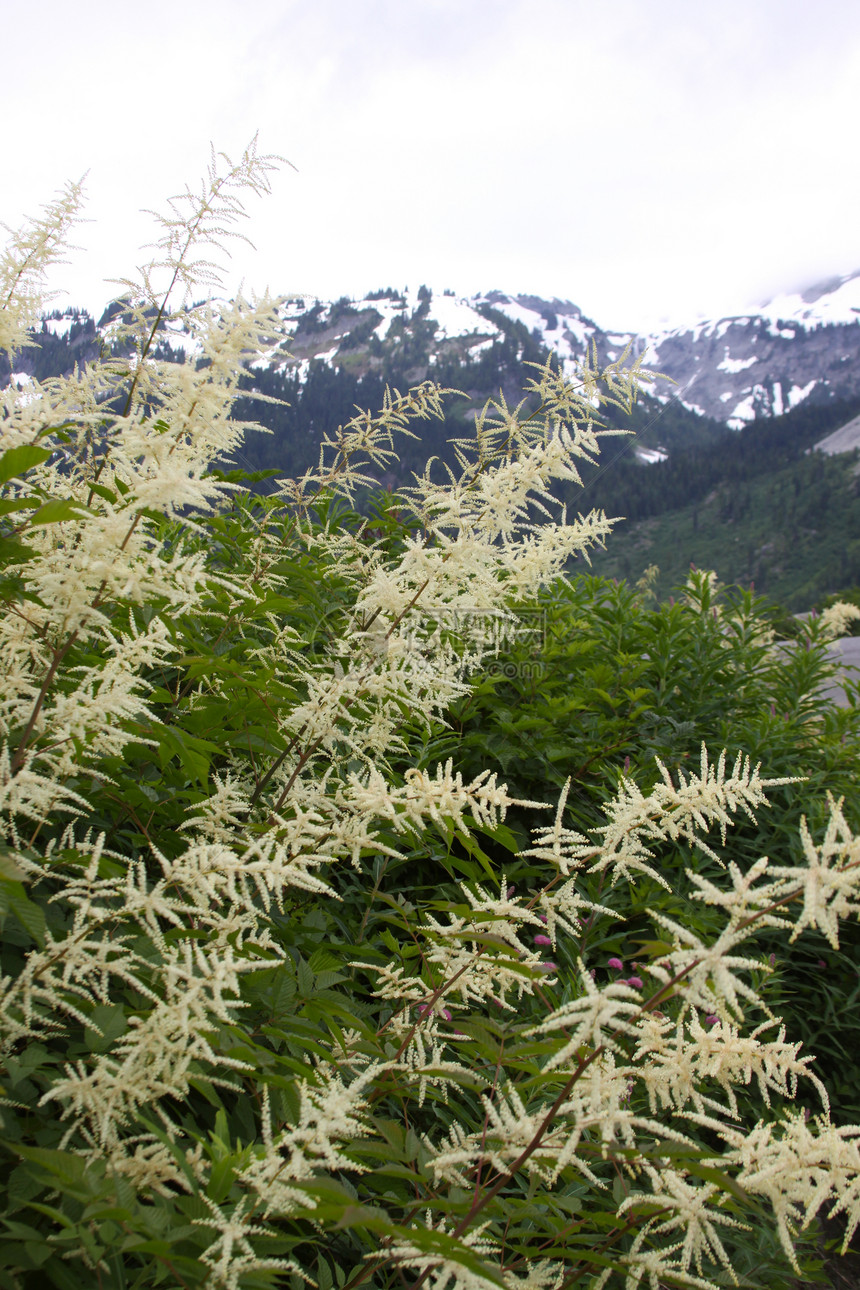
x=62 y=1165
x=324 y=1277
x=305 y=978
x=106 y=1023
x=9 y=869
x=321 y=959
x=29 y=914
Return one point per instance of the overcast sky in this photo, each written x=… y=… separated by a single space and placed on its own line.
x=646 y=159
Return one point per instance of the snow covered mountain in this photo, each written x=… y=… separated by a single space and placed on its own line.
x=735 y=369
x=766 y=361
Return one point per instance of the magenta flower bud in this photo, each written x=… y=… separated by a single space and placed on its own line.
x=542 y=940
x=626 y=764
x=635 y=981
x=616 y=964
x=549 y=967
x=772 y=960
x=511 y=891
x=821 y=963
x=542 y=917
x=711 y=1019
x=424 y=1008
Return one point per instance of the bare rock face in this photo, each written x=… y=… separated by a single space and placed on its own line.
x=765 y=362
x=739 y=369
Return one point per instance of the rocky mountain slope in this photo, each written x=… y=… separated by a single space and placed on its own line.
x=733 y=369
x=718 y=470
x=765 y=362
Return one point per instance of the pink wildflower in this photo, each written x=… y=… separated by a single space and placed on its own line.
x=549 y=967
x=542 y=940
x=635 y=981
x=617 y=964
x=711 y=1019
x=425 y=1007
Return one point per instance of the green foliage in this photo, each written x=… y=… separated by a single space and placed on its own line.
x=790 y=533
x=293 y=989
x=602 y=681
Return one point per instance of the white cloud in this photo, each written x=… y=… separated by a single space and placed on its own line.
x=646 y=159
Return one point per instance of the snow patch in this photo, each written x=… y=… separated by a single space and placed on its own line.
x=777 y=399
x=651 y=455
x=743 y=413
x=480 y=346
x=456 y=316
x=60 y=326
x=733 y=365
x=797 y=395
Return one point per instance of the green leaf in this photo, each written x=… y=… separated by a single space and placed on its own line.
x=237 y=476
x=9 y=870
x=101 y=491
x=324 y=1277
x=107 y=1022
x=17 y=461
x=305 y=978
x=483 y=859
x=63 y=1166
x=29 y=914
x=57 y=510
x=18 y=504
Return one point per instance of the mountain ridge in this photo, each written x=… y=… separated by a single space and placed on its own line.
x=734 y=368
x=703 y=480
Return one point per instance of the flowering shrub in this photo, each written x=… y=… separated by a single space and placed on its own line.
x=284 y=997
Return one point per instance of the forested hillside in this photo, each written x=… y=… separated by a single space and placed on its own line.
x=759 y=507
x=750 y=503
